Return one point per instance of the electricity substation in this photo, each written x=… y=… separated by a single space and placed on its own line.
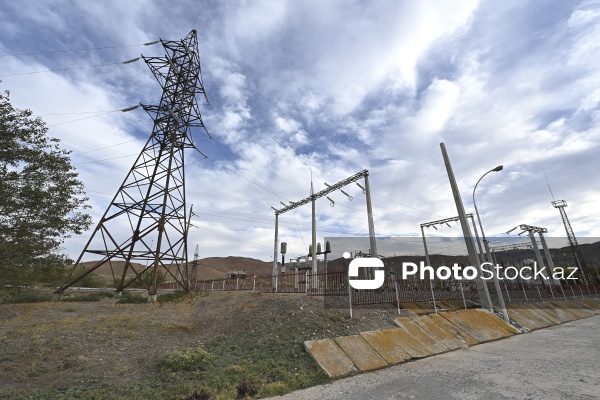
x=148 y=220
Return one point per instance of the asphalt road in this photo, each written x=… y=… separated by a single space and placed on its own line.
x=561 y=362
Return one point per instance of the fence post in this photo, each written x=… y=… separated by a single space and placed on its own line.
x=506 y=288
x=462 y=292
x=306 y=281
x=254 y=285
x=212 y=285
x=350 y=297
x=397 y=294
x=237 y=283
x=224 y=284
x=433 y=296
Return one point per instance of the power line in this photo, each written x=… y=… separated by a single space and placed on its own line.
x=73 y=50
x=60 y=69
x=105 y=159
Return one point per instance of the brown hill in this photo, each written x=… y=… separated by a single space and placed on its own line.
x=217 y=267
x=104 y=269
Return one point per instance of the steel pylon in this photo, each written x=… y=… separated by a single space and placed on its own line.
x=147 y=221
x=573 y=244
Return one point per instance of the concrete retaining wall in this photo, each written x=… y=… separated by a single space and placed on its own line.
x=423 y=335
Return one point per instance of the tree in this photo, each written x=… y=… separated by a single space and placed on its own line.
x=41 y=199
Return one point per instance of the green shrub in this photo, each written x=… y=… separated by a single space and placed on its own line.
x=91 y=280
x=147 y=278
x=193 y=359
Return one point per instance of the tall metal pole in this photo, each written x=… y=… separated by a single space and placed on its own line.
x=482 y=290
x=488 y=254
x=476 y=235
x=428 y=263
x=372 y=239
x=314 y=234
x=275 y=255
x=548 y=256
x=536 y=251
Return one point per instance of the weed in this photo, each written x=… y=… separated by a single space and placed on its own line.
x=199 y=394
x=29 y=296
x=274 y=389
x=91 y=280
x=186 y=360
x=175 y=297
x=130 y=298
x=180 y=327
x=88 y=297
x=247 y=389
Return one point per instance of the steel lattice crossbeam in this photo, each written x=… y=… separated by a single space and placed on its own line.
x=147 y=220
x=573 y=244
x=323 y=192
x=513 y=246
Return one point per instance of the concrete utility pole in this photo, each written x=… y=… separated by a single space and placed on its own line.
x=482 y=290
x=373 y=241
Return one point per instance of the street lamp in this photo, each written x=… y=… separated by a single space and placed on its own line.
x=487 y=246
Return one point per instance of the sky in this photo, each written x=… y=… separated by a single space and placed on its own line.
x=322 y=90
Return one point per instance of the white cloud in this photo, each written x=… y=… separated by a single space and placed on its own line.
x=340 y=87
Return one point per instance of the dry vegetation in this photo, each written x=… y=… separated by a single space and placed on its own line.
x=215 y=345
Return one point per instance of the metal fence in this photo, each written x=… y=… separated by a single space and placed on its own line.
x=394 y=290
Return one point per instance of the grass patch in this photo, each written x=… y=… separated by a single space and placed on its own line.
x=88 y=297
x=28 y=296
x=185 y=360
x=175 y=297
x=131 y=298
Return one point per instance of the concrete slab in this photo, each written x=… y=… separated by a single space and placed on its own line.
x=409 y=344
x=421 y=336
x=521 y=319
x=361 y=352
x=456 y=332
x=489 y=324
x=594 y=305
x=496 y=323
x=575 y=308
x=445 y=337
x=449 y=306
x=526 y=317
x=387 y=344
x=427 y=306
x=330 y=357
x=539 y=309
x=470 y=323
x=414 y=308
x=559 y=313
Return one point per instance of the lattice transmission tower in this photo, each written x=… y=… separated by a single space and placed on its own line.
x=577 y=255
x=147 y=220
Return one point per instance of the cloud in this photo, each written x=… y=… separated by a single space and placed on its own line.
x=323 y=90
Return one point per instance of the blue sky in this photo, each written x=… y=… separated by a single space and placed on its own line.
x=341 y=86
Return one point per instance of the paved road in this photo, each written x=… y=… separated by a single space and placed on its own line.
x=561 y=362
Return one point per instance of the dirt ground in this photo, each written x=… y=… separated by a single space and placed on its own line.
x=55 y=347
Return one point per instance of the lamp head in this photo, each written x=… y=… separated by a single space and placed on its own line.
x=498 y=168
